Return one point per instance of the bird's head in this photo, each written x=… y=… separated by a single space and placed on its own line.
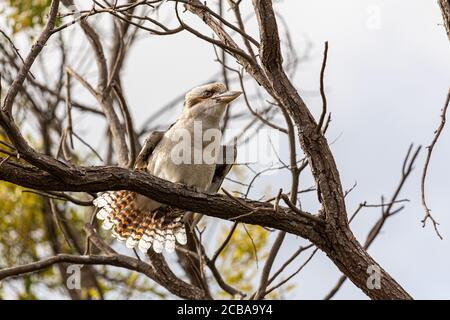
x=208 y=101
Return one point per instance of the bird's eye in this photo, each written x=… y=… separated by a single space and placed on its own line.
x=207 y=94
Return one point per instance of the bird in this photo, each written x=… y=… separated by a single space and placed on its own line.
x=146 y=223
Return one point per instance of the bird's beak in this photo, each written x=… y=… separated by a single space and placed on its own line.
x=228 y=96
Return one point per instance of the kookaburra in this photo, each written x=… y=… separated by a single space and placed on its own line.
x=143 y=222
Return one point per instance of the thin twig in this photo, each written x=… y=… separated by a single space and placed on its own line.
x=294 y=274
x=34 y=52
x=299 y=212
x=430 y=148
x=322 y=88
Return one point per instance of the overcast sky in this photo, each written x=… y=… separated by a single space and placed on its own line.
x=387 y=78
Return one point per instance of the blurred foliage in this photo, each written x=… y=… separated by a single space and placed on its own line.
x=23 y=15
x=240 y=261
x=22 y=238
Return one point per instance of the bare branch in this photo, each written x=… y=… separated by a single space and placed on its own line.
x=292 y=275
x=128 y=124
x=96 y=44
x=179 y=288
x=322 y=88
x=430 y=148
x=34 y=52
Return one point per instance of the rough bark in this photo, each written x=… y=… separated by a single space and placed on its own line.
x=445 y=10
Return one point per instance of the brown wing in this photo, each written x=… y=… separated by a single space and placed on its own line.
x=228 y=158
x=149 y=145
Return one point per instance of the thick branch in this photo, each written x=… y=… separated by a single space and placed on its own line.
x=96 y=179
x=179 y=288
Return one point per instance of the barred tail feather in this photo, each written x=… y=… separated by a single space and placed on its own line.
x=160 y=234
x=137 y=228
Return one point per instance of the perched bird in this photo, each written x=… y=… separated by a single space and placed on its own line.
x=172 y=155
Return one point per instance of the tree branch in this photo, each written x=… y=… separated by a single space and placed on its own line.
x=97 y=179
x=430 y=148
x=34 y=52
x=445 y=10
x=177 y=287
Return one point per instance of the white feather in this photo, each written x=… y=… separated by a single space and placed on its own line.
x=170 y=241
x=149 y=237
x=180 y=235
x=102 y=214
x=116 y=235
x=131 y=243
x=144 y=246
x=158 y=245
x=158 y=242
x=107 y=224
x=100 y=202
